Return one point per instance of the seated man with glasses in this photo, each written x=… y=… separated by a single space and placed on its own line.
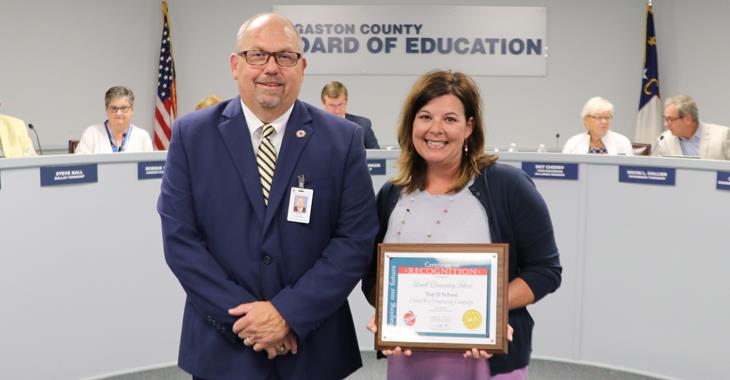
x=686 y=135
x=598 y=139
x=116 y=134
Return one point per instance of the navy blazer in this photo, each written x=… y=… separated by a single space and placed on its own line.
x=371 y=142
x=518 y=216
x=227 y=248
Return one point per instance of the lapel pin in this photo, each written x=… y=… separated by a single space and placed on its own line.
x=301 y=133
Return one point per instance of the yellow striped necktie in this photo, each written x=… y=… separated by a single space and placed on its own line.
x=266 y=161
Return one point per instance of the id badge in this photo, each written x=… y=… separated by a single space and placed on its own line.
x=300 y=205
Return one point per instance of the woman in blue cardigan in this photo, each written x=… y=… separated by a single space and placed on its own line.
x=448 y=190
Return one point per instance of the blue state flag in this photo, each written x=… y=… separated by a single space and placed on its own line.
x=649 y=119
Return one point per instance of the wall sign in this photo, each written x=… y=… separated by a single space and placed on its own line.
x=407 y=40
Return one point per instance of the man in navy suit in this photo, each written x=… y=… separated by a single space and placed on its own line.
x=334 y=101
x=267 y=293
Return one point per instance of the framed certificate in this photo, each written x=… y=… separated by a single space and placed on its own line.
x=442 y=297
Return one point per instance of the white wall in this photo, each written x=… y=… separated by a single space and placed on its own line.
x=59 y=58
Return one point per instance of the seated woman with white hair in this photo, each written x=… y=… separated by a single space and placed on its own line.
x=598 y=139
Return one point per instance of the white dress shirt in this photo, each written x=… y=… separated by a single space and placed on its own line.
x=255 y=128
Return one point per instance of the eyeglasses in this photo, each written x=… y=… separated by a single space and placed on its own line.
x=260 y=57
x=601 y=118
x=671 y=119
x=122 y=109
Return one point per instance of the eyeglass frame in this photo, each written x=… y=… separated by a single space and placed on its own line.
x=601 y=118
x=671 y=120
x=115 y=109
x=268 y=57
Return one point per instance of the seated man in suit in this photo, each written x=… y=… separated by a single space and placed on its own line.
x=334 y=101
x=14 y=139
x=686 y=135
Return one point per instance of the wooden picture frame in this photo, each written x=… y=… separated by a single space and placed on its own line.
x=442 y=297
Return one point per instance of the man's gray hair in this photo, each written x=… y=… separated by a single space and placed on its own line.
x=685 y=106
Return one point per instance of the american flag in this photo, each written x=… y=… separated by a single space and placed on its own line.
x=166 y=104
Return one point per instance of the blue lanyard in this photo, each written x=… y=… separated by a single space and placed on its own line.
x=125 y=137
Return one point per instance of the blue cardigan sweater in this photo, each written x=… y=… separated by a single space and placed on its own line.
x=518 y=216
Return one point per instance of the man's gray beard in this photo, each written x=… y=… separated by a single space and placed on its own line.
x=267 y=101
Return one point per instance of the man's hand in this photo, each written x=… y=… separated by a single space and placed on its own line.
x=289 y=344
x=260 y=326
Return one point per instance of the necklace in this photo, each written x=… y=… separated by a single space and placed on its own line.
x=429 y=227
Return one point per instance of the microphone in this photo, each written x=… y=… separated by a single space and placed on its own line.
x=32 y=128
x=557 y=141
x=113 y=144
x=121 y=148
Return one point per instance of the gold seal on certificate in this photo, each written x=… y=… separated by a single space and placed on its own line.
x=442 y=296
x=472 y=319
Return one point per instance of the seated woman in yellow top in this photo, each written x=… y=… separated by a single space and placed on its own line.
x=14 y=139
